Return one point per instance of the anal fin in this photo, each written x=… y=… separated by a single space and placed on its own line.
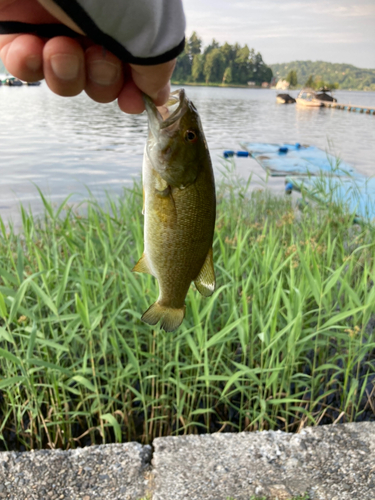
x=205 y=281
x=142 y=265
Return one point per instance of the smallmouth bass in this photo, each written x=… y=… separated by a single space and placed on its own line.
x=179 y=207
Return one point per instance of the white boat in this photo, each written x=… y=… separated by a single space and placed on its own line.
x=311 y=98
x=308 y=98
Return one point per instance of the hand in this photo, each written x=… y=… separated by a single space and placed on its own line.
x=72 y=65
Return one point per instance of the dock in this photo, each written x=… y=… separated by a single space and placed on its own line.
x=349 y=107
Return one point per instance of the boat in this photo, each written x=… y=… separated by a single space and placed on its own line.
x=308 y=98
x=311 y=98
x=325 y=94
x=12 y=82
x=285 y=99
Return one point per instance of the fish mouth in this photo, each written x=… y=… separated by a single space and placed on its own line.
x=163 y=117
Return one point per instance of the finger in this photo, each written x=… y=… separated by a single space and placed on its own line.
x=104 y=75
x=63 y=62
x=26 y=11
x=154 y=80
x=23 y=57
x=130 y=98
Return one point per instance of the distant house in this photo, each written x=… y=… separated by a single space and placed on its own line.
x=265 y=85
x=251 y=84
x=282 y=85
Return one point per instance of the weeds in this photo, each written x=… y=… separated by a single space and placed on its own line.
x=286 y=341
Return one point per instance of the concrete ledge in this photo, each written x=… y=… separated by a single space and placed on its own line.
x=106 y=472
x=328 y=462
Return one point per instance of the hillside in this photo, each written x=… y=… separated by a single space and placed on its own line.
x=345 y=75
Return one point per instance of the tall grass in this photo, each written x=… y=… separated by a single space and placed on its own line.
x=286 y=341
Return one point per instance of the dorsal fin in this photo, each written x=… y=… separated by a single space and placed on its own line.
x=205 y=281
x=142 y=266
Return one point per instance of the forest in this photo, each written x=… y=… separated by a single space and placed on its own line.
x=220 y=64
x=320 y=73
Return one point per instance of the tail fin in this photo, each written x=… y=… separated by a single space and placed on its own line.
x=170 y=318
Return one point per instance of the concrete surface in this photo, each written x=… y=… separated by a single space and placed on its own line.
x=104 y=472
x=327 y=462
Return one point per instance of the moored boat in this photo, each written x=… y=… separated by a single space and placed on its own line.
x=308 y=98
x=11 y=81
x=325 y=94
x=285 y=99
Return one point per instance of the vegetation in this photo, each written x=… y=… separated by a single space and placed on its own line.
x=286 y=341
x=221 y=64
x=292 y=78
x=343 y=76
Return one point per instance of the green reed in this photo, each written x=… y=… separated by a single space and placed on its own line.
x=285 y=341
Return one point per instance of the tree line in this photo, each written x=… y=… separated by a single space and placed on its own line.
x=312 y=82
x=319 y=73
x=226 y=64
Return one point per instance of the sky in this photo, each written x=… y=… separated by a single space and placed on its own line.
x=286 y=30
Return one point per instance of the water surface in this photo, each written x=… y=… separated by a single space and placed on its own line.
x=69 y=145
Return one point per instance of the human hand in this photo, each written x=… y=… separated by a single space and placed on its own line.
x=72 y=65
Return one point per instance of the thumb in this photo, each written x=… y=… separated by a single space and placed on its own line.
x=154 y=80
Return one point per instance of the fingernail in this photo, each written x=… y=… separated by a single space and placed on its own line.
x=65 y=66
x=103 y=72
x=34 y=62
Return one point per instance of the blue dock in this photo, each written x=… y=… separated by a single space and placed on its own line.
x=318 y=174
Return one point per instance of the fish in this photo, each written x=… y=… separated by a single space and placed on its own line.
x=179 y=208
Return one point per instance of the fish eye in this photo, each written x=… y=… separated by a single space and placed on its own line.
x=190 y=136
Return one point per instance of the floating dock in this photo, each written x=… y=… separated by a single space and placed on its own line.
x=349 y=107
x=296 y=159
x=317 y=173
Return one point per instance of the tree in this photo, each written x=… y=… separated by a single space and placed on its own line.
x=197 y=68
x=213 y=45
x=243 y=67
x=310 y=82
x=214 y=66
x=292 y=78
x=194 y=45
x=262 y=73
x=227 y=77
x=229 y=53
x=182 y=71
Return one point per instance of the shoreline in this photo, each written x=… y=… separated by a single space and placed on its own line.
x=257 y=87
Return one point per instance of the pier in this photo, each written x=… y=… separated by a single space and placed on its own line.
x=349 y=107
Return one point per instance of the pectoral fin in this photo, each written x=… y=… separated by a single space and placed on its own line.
x=142 y=266
x=205 y=281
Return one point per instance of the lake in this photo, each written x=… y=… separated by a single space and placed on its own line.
x=66 y=146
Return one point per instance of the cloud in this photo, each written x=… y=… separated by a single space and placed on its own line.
x=338 y=30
